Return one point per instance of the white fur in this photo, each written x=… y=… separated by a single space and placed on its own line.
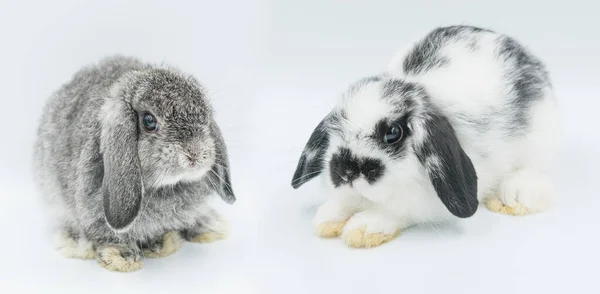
x=512 y=169
x=189 y=176
x=341 y=205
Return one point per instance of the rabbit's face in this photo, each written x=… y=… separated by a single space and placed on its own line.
x=175 y=142
x=157 y=130
x=370 y=144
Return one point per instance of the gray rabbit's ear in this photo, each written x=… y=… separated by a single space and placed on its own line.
x=448 y=166
x=122 y=186
x=219 y=175
x=311 y=161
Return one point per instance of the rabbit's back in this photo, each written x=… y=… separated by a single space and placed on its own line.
x=497 y=95
x=480 y=78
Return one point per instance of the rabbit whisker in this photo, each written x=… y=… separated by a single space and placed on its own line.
x=222 y=181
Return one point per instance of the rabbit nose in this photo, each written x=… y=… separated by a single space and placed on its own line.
x=344 y=167
x=192 y=157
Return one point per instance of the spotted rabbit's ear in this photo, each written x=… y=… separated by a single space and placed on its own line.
x=122 y=187
x=449 y=168
x=311 y=161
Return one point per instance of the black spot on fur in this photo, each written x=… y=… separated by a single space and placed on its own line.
x=372 y=169
x=424 y=56
x=345 y=167
x=395 y=88
x=528 y=78
x=402 y=94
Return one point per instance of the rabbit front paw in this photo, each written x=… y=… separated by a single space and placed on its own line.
x=72 y=246
x=209 y=231
x=331 y=218
x=370 y=228
x=119 y=258
x=330 y=229
x=167 y=245
x=524 y=192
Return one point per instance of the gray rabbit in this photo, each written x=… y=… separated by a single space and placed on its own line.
x=130 y=153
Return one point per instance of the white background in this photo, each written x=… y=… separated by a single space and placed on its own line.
x=274 y=69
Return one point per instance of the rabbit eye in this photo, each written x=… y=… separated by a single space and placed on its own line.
x=393 y=134
x=149 y=122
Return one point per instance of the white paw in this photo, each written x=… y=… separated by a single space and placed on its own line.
x=370 y=228
x=71 y=248
x=330 y=229
x=214 y=231
x=119 y=258
x=524 y=192
x=169 y=244
x=330 y=219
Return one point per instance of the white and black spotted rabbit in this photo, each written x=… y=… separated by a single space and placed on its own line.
x=129 y=153
x=465 y=115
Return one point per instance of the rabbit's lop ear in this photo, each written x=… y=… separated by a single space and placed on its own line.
x=122 y=186
x=448 y=166
x=311 y=161
x=219 y=175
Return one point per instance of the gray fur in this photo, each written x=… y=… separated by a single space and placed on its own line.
x=107 y=174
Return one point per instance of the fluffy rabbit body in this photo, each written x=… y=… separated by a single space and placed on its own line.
x=129 y=153
x=464 y=115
